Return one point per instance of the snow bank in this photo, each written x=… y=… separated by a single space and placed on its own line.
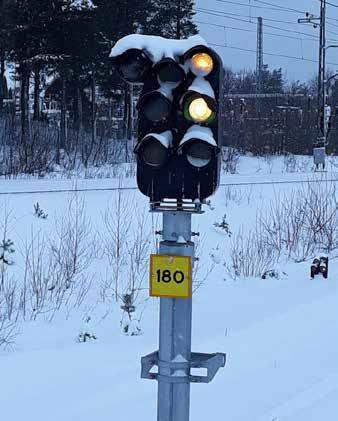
x=280 y=335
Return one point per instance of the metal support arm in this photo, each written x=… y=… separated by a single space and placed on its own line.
x=212 y=362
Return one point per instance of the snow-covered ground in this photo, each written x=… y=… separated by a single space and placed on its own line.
x=280 y=334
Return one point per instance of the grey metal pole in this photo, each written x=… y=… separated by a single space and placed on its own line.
x=174 y=358
x=175 y=328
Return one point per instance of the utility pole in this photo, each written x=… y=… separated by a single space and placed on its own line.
x=323 y=69
x=259 y=62
x=319 y=153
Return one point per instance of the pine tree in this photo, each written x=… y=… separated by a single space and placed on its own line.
x=172 y=19
x=114 y=20
x=30 y=25
x=4 y=48
x=272 y=80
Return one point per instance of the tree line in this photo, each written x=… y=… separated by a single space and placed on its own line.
x=284 y=120
x=69 y=41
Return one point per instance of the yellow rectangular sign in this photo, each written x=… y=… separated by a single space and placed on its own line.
x=170 y=276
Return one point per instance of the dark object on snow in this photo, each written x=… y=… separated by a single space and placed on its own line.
x=39 y=212
x=85 y=337
x=270 y=274
x=320 y=265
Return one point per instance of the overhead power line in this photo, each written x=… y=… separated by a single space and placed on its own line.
x=254 y=31
x=232 y=47
x=280 y=7
x=284 y=8
x=248 y=19
x=231 y=17
x=257 y=7
x=239 y=18
x=331 y=4
x=264 y=17
x=237 y=15
x=314 y=37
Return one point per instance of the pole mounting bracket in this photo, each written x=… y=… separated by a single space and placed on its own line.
x=174 y=205
x=212 y=362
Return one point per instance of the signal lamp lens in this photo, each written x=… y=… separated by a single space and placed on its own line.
x=133 y=65
x=197 y=109
x=201 y=64
x=154 y=153
x=155 y=106
x=198 y=153
x=170 y=71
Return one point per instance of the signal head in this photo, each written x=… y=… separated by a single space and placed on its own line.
x=198 y=103
x=154 y=150
x=200 y=60
x=323 y=265
x=322 y=268
x=179 y=127
x=198 y=146
x=168 y=70
x=199 y=108
x=201 y=64
x=155 y=106
x=132 y=65
x=198 y=153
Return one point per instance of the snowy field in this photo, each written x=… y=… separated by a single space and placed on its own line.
x=280 y=333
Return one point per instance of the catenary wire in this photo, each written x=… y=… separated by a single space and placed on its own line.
x=230 y=15
x=254 y=31
x=257 y=7
x=235 y=17
x=280 y=7
x=232 y=47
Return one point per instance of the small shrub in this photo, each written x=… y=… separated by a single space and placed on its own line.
x=250 y=256
x=230 y=159
x=224 y=226
x=39 y=212
x=6 y=249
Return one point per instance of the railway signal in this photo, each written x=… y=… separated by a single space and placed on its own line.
x=320 y=266
x=179 y=129
x=178 y=157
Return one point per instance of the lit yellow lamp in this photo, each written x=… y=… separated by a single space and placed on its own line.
x=199 y=111
x=201 y=64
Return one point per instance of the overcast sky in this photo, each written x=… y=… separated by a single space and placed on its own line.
x=298 y=45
